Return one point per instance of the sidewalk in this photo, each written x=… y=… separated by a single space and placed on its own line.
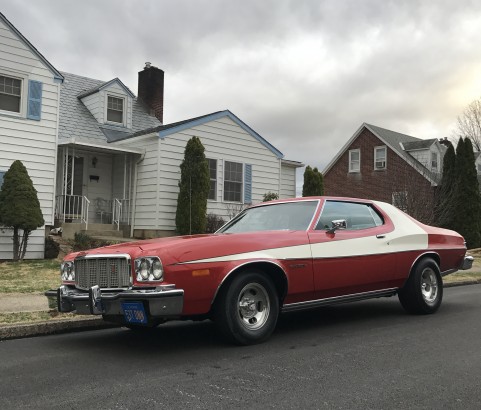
x=22 y=302
x=35 y=302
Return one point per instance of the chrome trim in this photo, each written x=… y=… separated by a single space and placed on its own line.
x=448 y=272
x=244 y=264
x=422 y=255
x=103 y=255
x=292 y=307
x=467 y=262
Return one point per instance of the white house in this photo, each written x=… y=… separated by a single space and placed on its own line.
x=118 y=164
x=29 y=119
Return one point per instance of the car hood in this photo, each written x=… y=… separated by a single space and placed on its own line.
x=181 y=249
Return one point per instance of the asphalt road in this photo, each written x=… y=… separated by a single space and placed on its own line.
x=362 y=355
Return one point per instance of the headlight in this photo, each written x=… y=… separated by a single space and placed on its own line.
x=67 y=271
x=149 y=269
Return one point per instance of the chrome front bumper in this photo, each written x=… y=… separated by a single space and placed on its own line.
x=161 y=302
x=467 y=263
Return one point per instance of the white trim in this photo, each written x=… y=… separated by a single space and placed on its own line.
x=351 y=169
x=23 y=92
x=74 y=141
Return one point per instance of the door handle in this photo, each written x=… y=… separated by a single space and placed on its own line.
x=381 y=236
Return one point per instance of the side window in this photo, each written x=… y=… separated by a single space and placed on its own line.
x=357 y=216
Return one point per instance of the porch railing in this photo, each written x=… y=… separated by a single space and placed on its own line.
x=116 y=213
x=72 y=208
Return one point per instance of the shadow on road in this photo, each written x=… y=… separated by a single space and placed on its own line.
x=173 y=337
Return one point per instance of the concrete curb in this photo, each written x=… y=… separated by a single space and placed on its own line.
x=18 y=331
x=93 y=323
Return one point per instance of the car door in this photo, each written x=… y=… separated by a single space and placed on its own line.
x=353 y=259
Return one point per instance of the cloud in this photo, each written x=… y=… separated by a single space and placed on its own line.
x=304 y=74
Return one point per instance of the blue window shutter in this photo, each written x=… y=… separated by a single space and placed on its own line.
x=248 y=184
x=2 y=174
x=34 y=110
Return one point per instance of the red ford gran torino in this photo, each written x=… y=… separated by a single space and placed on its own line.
x=274 y=257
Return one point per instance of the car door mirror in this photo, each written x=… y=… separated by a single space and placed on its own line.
x=337 y=224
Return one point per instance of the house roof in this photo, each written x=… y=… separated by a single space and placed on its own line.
x=169 y=129
x=57 y=75
x=394 y=140
x=421 y=144
x=77 y=121
x=100 y=87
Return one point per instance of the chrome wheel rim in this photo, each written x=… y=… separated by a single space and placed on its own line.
x=253 y=306
x=429 y=286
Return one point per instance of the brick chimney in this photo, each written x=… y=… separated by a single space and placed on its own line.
x=151 y=90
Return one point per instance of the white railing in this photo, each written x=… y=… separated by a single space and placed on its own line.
x=85 y=212
x=74 y=208
x=116 y=212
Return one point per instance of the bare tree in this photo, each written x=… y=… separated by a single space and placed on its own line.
x=469 y=124
x=234 y=208
x=420 y=194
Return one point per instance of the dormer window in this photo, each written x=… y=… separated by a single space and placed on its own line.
x=10 y=94
x=434 y=161
x=115 y=110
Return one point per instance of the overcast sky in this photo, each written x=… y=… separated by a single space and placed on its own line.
x=303 y=74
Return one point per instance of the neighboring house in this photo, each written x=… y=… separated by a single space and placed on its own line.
x=384 y=165
x=29 y=104
x=118 y=164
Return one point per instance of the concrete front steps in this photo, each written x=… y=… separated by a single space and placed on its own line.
x=107 y=232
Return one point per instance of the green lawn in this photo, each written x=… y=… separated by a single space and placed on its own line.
x=31 y=276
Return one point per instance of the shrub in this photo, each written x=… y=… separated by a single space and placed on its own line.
x=214 y=222
x=52 y=248
x=270 y=196
x=83 y=242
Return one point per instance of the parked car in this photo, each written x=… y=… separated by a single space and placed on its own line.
x=280 y=256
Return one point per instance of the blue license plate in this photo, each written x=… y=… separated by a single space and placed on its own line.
x=134 y=312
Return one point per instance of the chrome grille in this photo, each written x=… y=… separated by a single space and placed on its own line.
x=106 y=272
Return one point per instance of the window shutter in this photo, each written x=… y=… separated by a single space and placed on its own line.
x=34 y=100
x=248 y=184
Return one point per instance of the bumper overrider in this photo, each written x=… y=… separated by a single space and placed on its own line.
x=163 y=302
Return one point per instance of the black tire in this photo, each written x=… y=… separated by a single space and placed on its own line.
x=247 y=309
x=423 y=292
x=140 y=328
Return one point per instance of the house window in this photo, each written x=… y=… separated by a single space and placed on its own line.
x=479 y=168
x=380 y=158
x=355 y=160
x=233 y=181
x=434 y=161
x=115 y=109
x=10 y=94
x=400 y=200
x=2 y=174
x=213 y=179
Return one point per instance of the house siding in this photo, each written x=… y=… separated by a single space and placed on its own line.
x=32 y=142
x=398 y=176
x=158 y=174
x=288 y=182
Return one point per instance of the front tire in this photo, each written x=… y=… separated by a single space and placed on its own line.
x=247 y=310
x=423 y=292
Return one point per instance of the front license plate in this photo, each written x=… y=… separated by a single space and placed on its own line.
x=134 y=312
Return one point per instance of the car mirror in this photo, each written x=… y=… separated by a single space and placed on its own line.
x=337 y=224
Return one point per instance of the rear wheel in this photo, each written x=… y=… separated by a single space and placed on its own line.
x=247 y=309
x=423 y=291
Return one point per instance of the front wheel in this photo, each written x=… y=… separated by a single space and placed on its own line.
x=247 y=309
x=423 y=292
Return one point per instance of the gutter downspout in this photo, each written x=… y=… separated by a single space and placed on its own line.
x=134 y=199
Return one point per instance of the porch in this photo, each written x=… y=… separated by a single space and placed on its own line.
x=94 y=189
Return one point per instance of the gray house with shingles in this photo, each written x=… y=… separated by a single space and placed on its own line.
x=119 y=165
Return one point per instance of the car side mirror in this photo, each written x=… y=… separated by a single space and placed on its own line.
x=337 y=224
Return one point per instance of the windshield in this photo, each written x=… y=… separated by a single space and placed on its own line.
x=293 y=216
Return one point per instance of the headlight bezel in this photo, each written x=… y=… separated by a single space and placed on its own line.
x=147 y=263
x=67 y=271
